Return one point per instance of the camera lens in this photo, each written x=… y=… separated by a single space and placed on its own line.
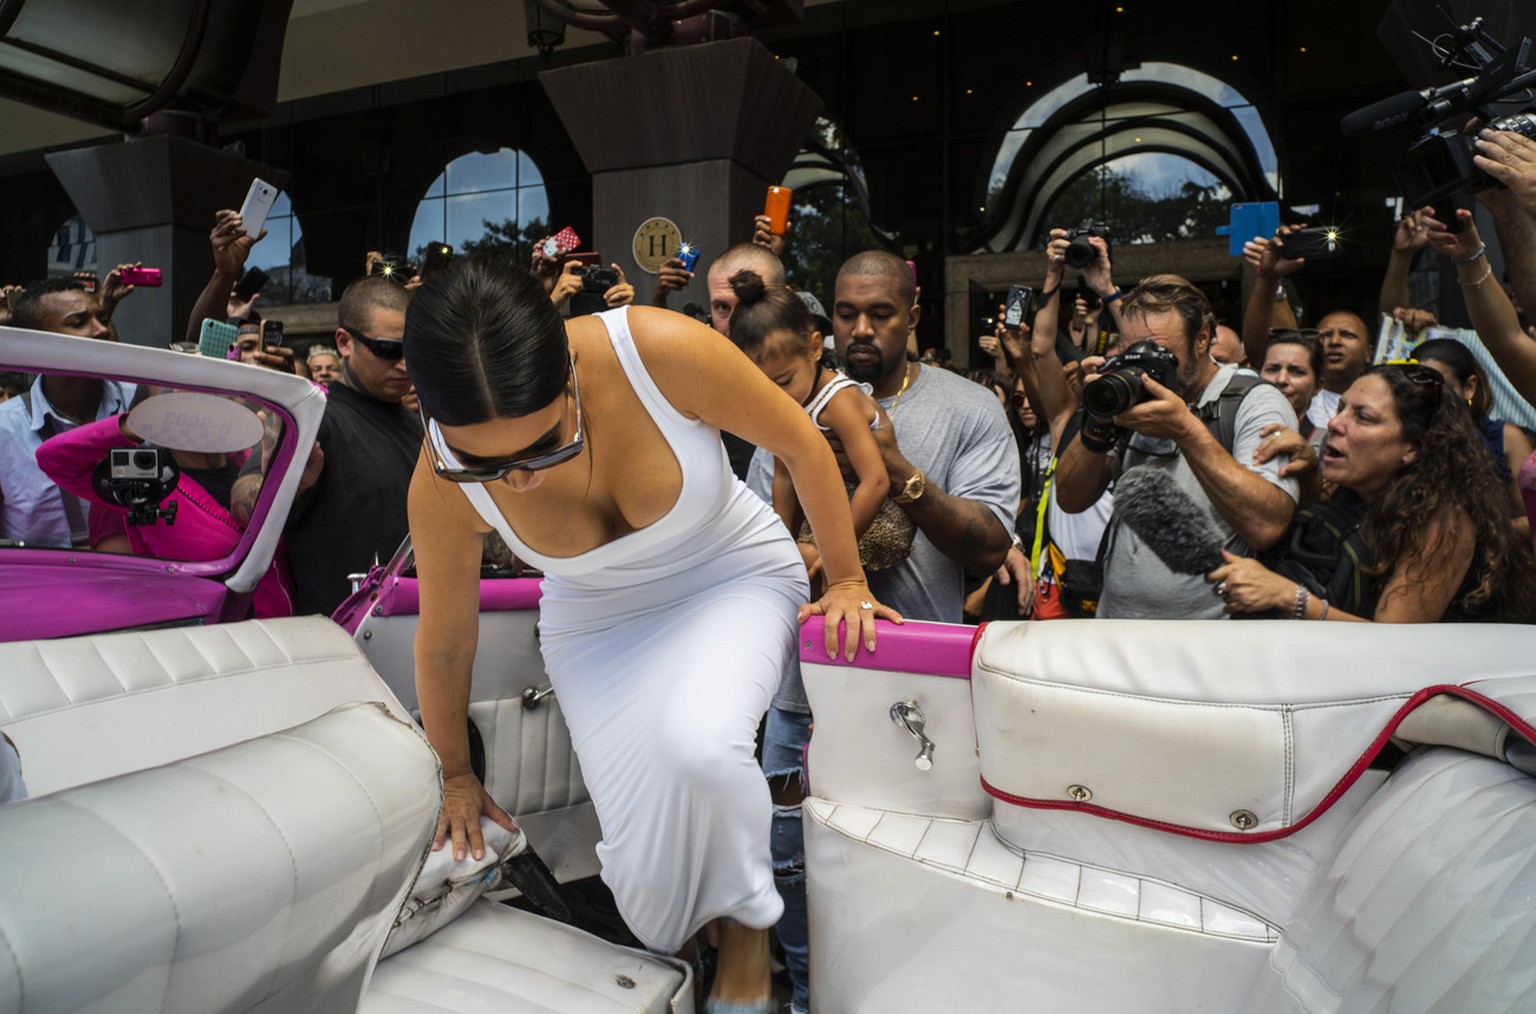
x=145 y=461
x=1113 y=393
x=1079 y=253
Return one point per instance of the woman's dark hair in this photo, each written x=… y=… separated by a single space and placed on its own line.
x=1451 y=472
x=1303 y=339
x=484 y=341
x=1462 y=363
x=763 y=309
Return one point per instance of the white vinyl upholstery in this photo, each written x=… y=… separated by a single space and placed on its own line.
x=530 y=765
x=260 y=877
x=1409 y=892
x=494 y=959
x=85 y=708
x=1425 y=905
x=1190 y=724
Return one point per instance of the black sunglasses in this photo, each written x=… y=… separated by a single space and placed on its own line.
x=441 y=454
x=384 y=348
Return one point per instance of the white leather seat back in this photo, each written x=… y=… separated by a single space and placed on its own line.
x=530 y=765
x=260 y=877
x=1206 y=726
x=82 y=709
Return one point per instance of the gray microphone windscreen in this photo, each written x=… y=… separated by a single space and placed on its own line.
x=1175 y=527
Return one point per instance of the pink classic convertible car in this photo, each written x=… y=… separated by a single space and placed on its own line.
x=233 y=814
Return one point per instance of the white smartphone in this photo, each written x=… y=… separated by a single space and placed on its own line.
x=258 y=204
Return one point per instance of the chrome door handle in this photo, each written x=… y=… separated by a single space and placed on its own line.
x=534 y=696
x=909 y=716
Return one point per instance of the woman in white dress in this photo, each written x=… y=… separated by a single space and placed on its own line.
x=672 y=595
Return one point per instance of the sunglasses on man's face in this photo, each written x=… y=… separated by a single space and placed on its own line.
x=446 y=464
x=384 y=348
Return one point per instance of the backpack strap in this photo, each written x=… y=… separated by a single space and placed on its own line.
x=1220 y=416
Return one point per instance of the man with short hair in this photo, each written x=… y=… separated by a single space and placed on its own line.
x=953 y=467
x=1252 y=505
x=351 y=507
x=32 y=508
x=742 y=256
x=1347 y=352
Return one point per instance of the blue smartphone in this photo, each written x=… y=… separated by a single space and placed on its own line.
x=689 y=255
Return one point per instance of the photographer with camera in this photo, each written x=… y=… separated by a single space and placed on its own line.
x=1165 y=404
x=1087 y=250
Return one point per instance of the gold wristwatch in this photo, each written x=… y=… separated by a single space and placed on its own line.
x=912 y=489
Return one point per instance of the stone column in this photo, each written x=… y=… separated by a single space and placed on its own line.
x=695 y=134
x=153 y=199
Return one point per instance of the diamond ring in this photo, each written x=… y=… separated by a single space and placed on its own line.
x=866 y=605
x=1221 y=589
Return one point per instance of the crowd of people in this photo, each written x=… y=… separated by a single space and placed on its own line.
x=1328 y=487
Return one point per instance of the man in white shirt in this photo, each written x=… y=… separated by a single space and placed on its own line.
x=32 y=508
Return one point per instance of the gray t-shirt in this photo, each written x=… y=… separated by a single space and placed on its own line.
x=956 y=433
x=1136 y=583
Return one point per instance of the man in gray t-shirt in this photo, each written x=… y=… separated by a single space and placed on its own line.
x=1251 y=504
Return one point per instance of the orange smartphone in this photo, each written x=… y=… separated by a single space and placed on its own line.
x=777 y=209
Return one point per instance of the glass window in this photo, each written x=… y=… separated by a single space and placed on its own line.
x=73 y=248
x=281 y=254
x=483 y=201
x=1146 y=197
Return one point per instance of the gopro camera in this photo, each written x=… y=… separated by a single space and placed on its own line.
x=138 y=478
x=142 y=463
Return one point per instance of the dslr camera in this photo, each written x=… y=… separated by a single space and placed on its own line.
x=1080 y=253
x=1118 y=387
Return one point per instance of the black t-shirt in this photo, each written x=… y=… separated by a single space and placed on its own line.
x=356 y=510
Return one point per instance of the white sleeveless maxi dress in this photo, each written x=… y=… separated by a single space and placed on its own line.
x=665 y=648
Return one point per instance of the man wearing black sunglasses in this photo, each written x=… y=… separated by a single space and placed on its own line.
x=351 y=506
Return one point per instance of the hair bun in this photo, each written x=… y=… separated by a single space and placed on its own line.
x=748 y=286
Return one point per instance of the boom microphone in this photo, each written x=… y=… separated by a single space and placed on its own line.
x=1396 y=109
x=1175 y=527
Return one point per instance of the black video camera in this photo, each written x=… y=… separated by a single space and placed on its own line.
x=1080 y=253
x=1118 y=387
x=1439 y=163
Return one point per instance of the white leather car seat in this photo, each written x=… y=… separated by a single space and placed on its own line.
x=260 y=877
x=86 y=709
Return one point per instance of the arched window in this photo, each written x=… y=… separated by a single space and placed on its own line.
x=281 y=255
x=1156 y=151
x=483 y=201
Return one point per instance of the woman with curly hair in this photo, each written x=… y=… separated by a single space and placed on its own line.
x=1419 y=522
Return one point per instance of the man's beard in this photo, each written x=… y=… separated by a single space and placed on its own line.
x=865 y=372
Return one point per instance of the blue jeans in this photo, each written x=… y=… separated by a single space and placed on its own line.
x=784 y=740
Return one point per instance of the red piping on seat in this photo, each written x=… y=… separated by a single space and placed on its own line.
x=1518 y=723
